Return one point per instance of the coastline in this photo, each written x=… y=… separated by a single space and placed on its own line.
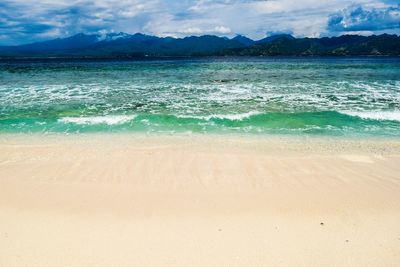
x=198 y=200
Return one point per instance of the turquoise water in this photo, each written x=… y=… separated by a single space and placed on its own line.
x=302 y=96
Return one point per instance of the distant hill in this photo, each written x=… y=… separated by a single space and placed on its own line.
x=141 y=45
x=346 y=45
x=122 y=45
x=275 y=37
x=244 y=40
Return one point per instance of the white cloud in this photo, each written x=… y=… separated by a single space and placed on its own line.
x=30 y=20
x=192 y=30
x=222 y=30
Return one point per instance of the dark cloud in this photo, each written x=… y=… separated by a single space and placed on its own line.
x=15 y=26
x=27 y=22
x=357 y=18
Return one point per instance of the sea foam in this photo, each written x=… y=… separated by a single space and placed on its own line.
x=108 y=119
x=375 y=115
x=233 y=117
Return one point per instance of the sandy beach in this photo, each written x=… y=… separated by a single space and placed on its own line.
x=198 y=200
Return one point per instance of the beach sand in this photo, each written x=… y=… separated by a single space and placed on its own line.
x=198 y=200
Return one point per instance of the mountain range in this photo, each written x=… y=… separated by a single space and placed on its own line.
x=121 y=45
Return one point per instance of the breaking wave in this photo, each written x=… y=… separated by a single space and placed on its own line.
x=108 y=119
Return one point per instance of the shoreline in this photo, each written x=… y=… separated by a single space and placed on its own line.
x=324 y=143
x=198 y=200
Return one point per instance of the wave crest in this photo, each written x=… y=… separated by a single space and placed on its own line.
x=375 y=115
x=108 y=119
x=232 y=117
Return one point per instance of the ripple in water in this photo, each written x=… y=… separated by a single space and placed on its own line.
x=279 y=96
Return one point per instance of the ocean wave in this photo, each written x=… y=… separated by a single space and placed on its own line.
x=375 y=115
x=107 y=119
x=232 y=117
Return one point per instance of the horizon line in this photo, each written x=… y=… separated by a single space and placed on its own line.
x=194 y=35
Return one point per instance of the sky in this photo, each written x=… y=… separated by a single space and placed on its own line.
x=26 y=21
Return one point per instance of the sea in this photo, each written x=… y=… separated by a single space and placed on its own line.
x=343 y=96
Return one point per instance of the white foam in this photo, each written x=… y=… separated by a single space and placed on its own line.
x=108 y=119
x=237 y=117
x=375 y=115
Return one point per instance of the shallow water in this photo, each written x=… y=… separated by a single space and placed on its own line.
x=312 y=96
